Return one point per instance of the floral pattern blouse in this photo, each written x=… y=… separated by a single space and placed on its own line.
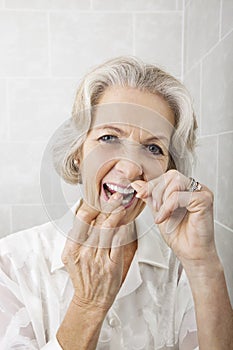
x=153 y=310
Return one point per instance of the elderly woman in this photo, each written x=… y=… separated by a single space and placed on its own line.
x=139 y=267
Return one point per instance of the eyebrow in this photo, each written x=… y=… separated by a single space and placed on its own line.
x=110 y=128
x=121 y=132
x=157 y=138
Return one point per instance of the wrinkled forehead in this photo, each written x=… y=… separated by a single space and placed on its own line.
x=133 y=115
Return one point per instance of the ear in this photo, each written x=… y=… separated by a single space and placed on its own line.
x=76 y=167
x=76 y=162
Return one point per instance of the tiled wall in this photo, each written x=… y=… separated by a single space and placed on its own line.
x=208 y=73
x=46 y=46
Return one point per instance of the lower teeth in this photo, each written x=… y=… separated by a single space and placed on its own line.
x=126 y=198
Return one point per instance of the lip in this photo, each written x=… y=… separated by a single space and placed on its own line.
x=121 y=186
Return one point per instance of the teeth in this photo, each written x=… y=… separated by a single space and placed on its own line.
x=120 y=189
x=127 y=199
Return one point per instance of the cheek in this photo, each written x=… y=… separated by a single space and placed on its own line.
x=155 y=168
x=94 y=166
x=96 y=163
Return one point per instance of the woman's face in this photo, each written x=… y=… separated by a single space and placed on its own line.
x=128 y=140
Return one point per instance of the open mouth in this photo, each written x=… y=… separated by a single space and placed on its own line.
x=128 y=192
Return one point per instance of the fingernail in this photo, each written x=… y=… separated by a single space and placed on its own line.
x=136 y=186
x=116 y=196
x=158 y=218
x=154 y=204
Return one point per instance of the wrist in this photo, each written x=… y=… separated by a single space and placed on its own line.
x=207 y=268
x=98 y=310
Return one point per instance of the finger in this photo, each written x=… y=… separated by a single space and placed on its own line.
x=103 y=236
x=178 y=183
x=138 y=185
x=173 y=202
x=172 y=181
x=144 y=189
x=82 y=223
x=113 y=203
x=116 y=255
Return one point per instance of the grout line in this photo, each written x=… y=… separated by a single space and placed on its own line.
x=224 y=226
x=203 y=57
x=11 y=219
x=220 y=20
x=217 y=177
x=15 y=9
x=134 y=34
x=89 y=11
x=182 y=43
x=228 y=33
x=216 y=44
x=25 y=142
x=200 y=96
x=177 y=5
x=192 y=67
x=7 y=111
x=49 y=46
x=39 y=77
x=209 y=51
x=217 y=134
x=91 y=5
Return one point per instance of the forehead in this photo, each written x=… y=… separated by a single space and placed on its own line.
x=134 y=108
x=131 y=118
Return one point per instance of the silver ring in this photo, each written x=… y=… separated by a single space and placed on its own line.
x=194 y=185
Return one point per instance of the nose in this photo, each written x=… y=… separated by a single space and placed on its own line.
x=129 y=169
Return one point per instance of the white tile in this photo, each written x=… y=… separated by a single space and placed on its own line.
x=20 y=172
x=5 y=220
x=225 y=175
x=56 y=191
x=201 y=29
x=3 y=111
x=158 y=39
x=217 y=101
x=64 y=193
x=179 y=5
x=49 y=4
x=27 y=216
x=23 y=42
x=186 y=2
x=80 y=41
x=38 y=106
x=206 y=153
x=224 y=243
x=193 y=83
x=134 y=5
x=227 y=16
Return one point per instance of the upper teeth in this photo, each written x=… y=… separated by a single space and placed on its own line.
x=120 y=189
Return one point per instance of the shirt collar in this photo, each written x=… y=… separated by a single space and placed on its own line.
x=151 y=250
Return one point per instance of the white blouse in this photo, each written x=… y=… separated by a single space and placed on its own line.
x=153 y=310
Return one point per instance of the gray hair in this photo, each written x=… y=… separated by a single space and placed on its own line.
x=126 y=72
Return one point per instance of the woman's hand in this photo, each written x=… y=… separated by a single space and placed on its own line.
x=184 y=218
x=93 y=255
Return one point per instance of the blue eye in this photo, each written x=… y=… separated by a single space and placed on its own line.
x=108 y=138
x=154 y=149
